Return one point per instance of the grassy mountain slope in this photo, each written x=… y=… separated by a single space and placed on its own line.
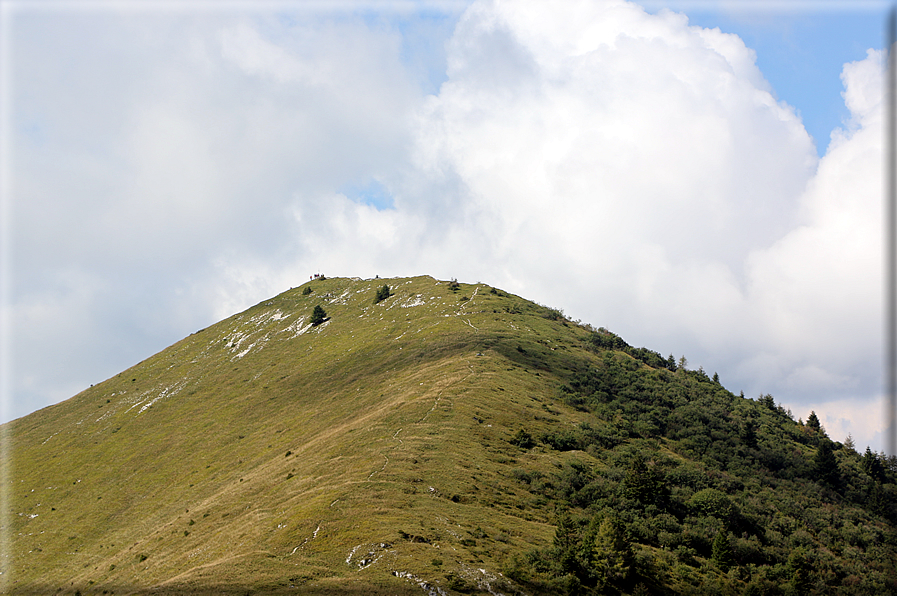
x=448 y=438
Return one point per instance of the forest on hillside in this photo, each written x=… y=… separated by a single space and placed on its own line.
x=677 y=485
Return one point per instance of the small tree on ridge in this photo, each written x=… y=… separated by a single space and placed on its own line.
x=318 y=315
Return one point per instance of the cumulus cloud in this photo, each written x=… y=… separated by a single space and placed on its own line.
x=639 y=172
x=636 y=135
x=157 y=155
x=817 y=292
x=627 y=167
x=601 y=142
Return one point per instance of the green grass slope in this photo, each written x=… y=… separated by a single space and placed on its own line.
x=263 y=451
x=450 y=438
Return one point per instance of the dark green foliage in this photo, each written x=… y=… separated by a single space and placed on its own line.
x=587 y=556
x=382 y=294
x=713 y=503
x=825 y=464
x=607 y=551
x=318 y=315
x=722 y=551
x=563 y=440
x=873 y=466
x=603 y=339
x=799 y=570
x=306 y=290
x=523 y=439
x=671 y=363
x=606 y=340
x=566 y=544
x=554 y=314
x=768 y=401
x=643 y=483
x=878 y=501
x=813 y=421
x=707 y=476
x=747 y=432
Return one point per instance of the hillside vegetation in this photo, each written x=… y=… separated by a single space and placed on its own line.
x=415 y=436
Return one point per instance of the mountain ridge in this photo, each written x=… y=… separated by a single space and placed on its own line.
x=431 y=440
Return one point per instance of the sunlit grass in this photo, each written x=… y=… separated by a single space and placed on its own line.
x=396 y=417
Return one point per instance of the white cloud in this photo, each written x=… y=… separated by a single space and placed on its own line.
x=863 y=88
x=816 y=293
x=632 y=169
x=601 y=142
x=157 y=155
x=639 y=173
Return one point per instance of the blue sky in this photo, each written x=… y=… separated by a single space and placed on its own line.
x=165 y=166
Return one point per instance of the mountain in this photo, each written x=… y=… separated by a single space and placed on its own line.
x=431 y=437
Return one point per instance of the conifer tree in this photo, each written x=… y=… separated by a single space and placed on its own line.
x=825 y=464
x=813 y=421
x=849 y=443
x=382 y=294
x=722 y=551
x=318 y=315
x=799 y=568
x=872 y=465
x=611 y=552
x=643 y=483
x=566 y=543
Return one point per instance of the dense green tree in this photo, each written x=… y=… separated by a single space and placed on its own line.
x=609 y=552
x=747 y=432
x=799 y=569
x=382 y=294
x=678 y=454
x=721 y=553
x=825 y=464
x=876 y=500
x=566 y=543
x=712 y=502
x=318 y=315
x=813 y=421
x=872 y=465
x=643 y=483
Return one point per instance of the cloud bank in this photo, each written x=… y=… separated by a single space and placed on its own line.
x=631 y=169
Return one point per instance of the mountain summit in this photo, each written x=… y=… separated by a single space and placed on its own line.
x=415 y=436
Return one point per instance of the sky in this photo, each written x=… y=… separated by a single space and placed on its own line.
x=703 y=178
